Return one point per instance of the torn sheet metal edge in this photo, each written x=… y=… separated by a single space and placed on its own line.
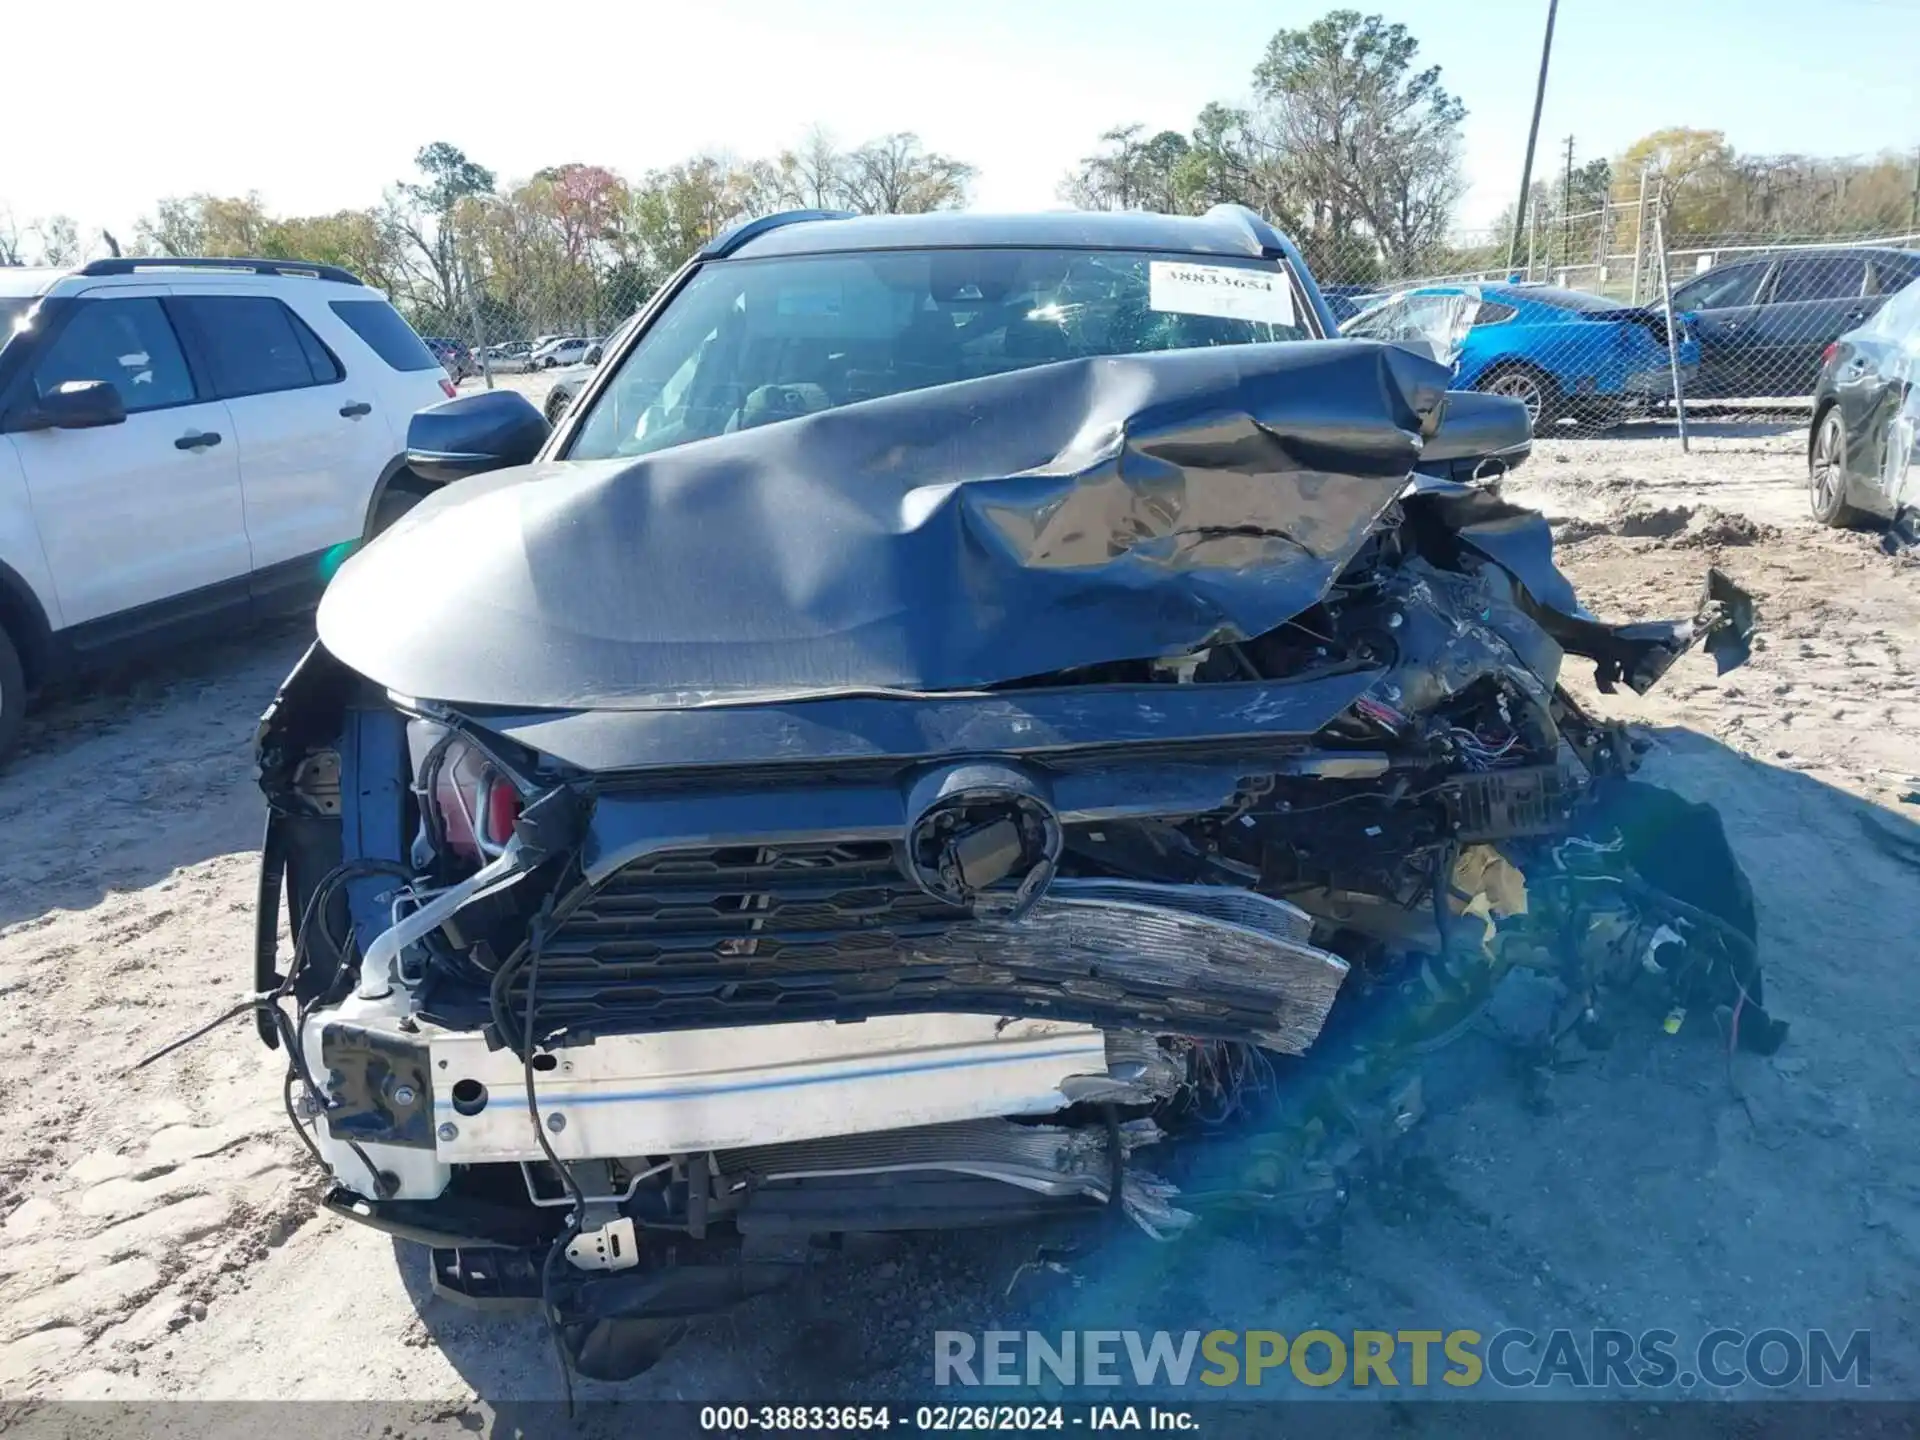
x=1180 y=967
x=1899 y=476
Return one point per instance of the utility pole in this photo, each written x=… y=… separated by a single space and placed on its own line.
x=1533 y=134
x=1913 y=220
x=1566 y=211
x=1640 y=232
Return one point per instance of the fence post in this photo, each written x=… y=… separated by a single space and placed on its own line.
x=1639 y=234
x=1673 y=333
x=479 y=338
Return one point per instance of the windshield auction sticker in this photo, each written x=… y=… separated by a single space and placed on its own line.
x=1231 y=292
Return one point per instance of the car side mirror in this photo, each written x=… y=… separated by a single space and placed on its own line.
x=473 y=434
x=76 y=405
x=1476 y=428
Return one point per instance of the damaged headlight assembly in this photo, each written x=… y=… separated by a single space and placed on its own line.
x=890 y=820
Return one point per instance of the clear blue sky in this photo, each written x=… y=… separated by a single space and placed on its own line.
x=318 y=106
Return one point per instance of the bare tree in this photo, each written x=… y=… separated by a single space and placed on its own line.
x=814 y=173
x=571 y=245
x=895 y=175
x=175 y=228
x=58 y=238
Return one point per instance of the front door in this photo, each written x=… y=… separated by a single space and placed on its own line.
x=1724 y=304
x=141 y=522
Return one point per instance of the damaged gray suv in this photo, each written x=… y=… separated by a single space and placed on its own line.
x=961 y=714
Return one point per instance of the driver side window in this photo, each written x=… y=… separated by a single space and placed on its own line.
x=128 y=343
x=1720 y=289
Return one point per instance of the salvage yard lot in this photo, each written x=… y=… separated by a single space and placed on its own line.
x=160 y=1237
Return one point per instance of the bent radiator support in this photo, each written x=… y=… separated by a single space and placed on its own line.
x=860 y=1177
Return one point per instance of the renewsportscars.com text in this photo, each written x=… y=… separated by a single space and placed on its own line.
x=1603 y=1359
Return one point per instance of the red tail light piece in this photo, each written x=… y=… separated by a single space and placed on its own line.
x=448 y=386
x=1826 y=355
x=476 y=805
x=503 y=808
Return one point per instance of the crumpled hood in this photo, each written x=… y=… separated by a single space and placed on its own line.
x=944 y=539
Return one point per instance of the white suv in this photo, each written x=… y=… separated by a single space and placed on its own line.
x=187 y=442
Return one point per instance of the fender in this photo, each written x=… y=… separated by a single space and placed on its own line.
x=29 y=604
x=395 y=468
x=25 y=620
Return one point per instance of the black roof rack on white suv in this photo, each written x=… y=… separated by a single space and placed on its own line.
x=132 y=264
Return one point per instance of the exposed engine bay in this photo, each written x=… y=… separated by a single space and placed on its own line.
x=951 y=810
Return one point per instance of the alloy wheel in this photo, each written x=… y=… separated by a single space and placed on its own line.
x=1823 y=473
x=1521 y=386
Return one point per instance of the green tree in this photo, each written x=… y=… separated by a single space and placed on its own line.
x=1692 y=168
x=1132 y=173
x=206 y=225
x=673 y=212
x=1370 y=143
x=356 y=240
x=425 y=214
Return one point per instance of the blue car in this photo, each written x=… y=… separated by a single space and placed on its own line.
x=1563 y=353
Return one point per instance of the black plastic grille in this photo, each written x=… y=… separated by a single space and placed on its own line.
x=702 y=912
x=829 y=930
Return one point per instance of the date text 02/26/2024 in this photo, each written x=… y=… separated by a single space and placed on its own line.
x=942 y=1419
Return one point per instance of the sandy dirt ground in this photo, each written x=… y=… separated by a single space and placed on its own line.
x=159 y=1238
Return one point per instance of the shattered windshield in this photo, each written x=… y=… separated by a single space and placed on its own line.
x=754 y=341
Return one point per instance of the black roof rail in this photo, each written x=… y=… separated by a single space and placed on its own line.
x=729 y=241
x=133 y=264
x=1251 y=224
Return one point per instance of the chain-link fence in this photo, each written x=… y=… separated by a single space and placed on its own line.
x=1601 y=319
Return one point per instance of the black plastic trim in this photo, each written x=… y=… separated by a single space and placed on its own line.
x=451 y=1222
x=137 y=264
x=288 y=585
x=31 y=633
x=126 y=632
x=726 y=243
x=389 y=475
